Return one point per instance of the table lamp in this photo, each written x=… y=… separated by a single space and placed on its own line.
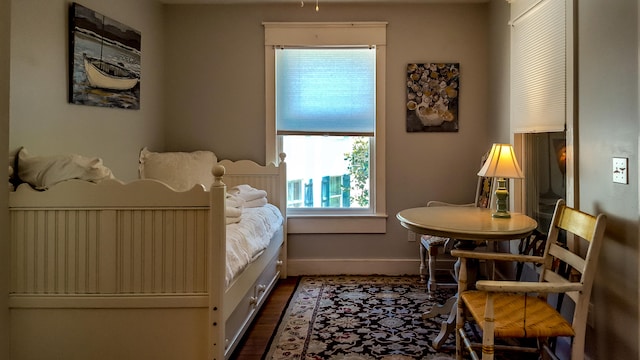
x=501 y=164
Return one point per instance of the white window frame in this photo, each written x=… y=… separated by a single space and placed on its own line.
x=333 y=34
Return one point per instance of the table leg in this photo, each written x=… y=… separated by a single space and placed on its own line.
x=440 y=309
x=451 y=307
x=448 y=326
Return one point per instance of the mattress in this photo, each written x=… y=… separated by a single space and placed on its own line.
x=247 y=238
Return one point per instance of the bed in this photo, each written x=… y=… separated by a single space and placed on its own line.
x=137 y=270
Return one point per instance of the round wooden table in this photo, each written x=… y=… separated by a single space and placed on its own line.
x=462 y=223
x=466 y=223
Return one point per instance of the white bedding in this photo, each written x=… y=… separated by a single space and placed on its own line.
x=247 y=238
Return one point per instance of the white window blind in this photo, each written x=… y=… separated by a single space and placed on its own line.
x=538 y=68
x=325 y=91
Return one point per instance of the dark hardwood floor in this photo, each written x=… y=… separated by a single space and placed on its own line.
x=254 y=344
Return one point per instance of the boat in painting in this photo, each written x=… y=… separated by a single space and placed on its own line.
x=105 y=75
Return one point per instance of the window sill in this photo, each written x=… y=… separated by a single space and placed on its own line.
x=337 y=224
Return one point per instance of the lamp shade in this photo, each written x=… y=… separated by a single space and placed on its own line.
x=501 y=163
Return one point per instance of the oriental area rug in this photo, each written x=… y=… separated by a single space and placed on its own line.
x=360 y=318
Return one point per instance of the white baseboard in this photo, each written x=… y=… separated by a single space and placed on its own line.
x=297 y=267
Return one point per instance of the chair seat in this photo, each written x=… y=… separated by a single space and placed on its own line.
x=430 y=240
x=541 y=319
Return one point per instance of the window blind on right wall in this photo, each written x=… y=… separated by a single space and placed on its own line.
x=538 y=68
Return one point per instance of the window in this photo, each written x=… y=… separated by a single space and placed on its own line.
x=325 y=108
x=325 y=111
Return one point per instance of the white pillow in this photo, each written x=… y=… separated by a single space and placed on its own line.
x=180 y=170
x=42 y=172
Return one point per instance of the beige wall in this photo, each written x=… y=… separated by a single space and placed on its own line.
x=215 y=84
x=499 y=50
x=44 y=122
x=5 y=22
x=608 y=127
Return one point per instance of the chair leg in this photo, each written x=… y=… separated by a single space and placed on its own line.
x=433 y=256
x=459 y=328
x=423 y=265
x=488 y=347
x=546 y=353
x=460 y=316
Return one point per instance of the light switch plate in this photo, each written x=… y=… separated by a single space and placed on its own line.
x=620 y=170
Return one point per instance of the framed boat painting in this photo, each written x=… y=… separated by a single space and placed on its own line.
x=433 y=92
x=104 y=61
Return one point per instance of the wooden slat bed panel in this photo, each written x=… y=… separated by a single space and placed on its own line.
x=70 y=251
x=58 y=252
x=162 y=251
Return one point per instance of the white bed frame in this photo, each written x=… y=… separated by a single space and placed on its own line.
x=135 y=271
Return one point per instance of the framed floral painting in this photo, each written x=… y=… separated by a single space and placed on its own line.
x=433 y=90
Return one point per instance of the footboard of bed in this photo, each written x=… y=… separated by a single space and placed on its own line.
x=133 y=271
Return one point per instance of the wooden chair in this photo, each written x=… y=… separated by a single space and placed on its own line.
x=503 y=310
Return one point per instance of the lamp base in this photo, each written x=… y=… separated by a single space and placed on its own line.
x=501 y=200
x=501 y=214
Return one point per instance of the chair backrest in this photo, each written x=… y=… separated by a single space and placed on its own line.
x=580 y=265
x=485 y=190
